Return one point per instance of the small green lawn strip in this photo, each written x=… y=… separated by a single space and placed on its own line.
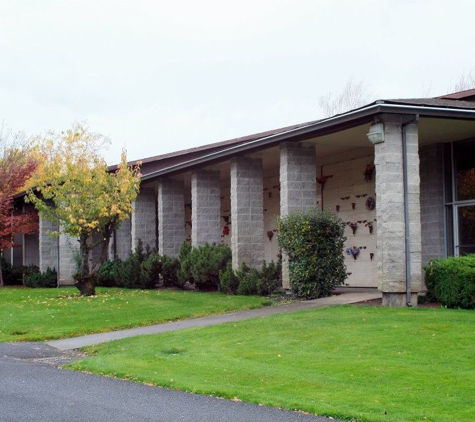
x=362 y=363
x=44 y=314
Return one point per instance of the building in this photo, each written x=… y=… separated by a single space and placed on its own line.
x=400 y=173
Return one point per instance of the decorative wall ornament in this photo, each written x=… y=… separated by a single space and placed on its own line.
x=225 y=230
x=371 y=256
x=270 y=234
x=353 y=225
x=369 y=224
x=354 y=251
x=370 y=204
x=337 y=208
x=353 y=205
x=368 y=173
x=323 y=179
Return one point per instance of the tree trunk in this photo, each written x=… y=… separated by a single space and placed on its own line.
x=86 y=285
x=85 y=281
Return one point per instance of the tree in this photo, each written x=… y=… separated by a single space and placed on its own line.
x=466 y=81
x=354 y=95
x=76 y=190
x=16 y=167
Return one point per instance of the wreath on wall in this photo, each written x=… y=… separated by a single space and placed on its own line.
x=370 y=204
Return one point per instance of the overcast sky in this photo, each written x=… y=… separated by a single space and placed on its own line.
x=158 y=76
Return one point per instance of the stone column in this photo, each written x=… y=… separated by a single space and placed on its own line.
x=68 y=255
x=247 y=214
x=120 y=245
x=48 y=245
x=206 y=207
x=144 y=219
x=391 y=256
x=298 y=186
x=171 y=216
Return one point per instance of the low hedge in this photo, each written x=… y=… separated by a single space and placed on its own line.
x=452 y=281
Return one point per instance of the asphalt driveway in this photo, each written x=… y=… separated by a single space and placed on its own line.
x=34 y=388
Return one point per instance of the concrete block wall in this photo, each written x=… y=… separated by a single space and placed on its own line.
x=247 y=221
x=297 y=178
x=48 y=245
x=432 y=202
x=271 y=212
x=347 y=186
x=390 y=211
x=298 y=186
x=206 y=207
x=68 y=251
x=144 y=219
x=171 y=216
x=120 y=245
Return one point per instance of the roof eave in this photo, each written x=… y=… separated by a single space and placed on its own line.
x=332 y=124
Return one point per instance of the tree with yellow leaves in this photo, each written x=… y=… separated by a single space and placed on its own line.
x=75 y=188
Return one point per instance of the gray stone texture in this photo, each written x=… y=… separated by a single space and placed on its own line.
x=247 y=218
x=298 y=186
x=171 y=216
x=432 y=202
x=206 y=207
x=120 y=245
x=48 y=245
x=30 y=242
x=68 y=253
x=391 y=257
x=144 y=219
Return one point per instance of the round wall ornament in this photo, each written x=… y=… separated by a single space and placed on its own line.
x=370 y=204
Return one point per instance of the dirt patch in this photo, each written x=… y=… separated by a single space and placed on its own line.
x=379 y=302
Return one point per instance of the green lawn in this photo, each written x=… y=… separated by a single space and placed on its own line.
x=362 y=363
x=42 y=314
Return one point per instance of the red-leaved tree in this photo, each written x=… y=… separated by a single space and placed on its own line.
x=16 y=167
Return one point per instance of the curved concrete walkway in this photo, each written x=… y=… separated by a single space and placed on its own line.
x=342 y=296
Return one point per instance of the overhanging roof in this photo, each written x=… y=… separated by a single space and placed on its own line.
x=426 y=107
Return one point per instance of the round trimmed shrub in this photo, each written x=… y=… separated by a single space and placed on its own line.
x=314 y=244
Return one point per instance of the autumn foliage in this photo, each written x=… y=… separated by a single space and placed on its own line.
x=75 y=189
x=16 y=167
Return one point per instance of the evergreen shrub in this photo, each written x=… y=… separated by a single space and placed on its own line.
x=314 y=244
x=452 y=281
x=35 y=278
x=202 y=265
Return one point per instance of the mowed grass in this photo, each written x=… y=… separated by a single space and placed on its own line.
x=43 y=314
x=354 y=363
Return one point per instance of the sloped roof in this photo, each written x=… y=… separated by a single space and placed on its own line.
x=443 y=106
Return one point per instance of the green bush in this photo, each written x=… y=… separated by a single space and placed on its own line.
x=314 y=243
x=452 y=281
x=108 y=273
x=35 y=278
x=202 y=265
x=150 y=270
x=13 y=275
x=250 y=281
x=170 y=268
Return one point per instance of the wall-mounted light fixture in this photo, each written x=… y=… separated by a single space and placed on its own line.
x=376 y=133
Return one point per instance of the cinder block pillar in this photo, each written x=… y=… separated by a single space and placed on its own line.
x=48 y=245
x=68 y=255
x=120 y=245
x=205 y=207
x=144 y=219
x=171 y=216
x=298 y=186
x=247 y=214
x=390 y=211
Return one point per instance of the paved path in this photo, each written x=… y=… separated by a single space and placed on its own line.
x=344 y=296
